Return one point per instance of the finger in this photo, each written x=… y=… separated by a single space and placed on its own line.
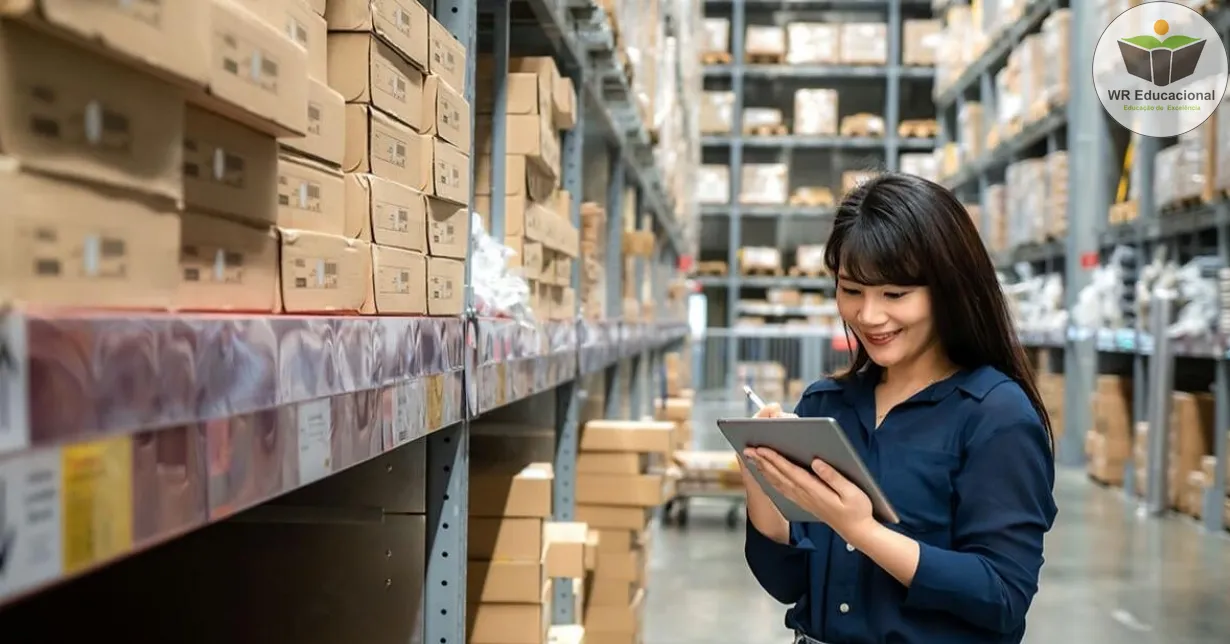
x=800 y=480
x=771 y=410
x=831 y=477
x=773 y=473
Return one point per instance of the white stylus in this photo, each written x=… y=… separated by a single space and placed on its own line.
x=751 y=395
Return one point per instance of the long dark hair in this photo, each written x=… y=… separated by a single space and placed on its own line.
x=906 y=231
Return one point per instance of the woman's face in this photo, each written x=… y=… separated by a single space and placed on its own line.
x=893 y=323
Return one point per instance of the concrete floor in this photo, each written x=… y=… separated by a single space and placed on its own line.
x=1111 y=576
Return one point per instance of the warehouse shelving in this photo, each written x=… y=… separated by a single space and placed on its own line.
x=325 y=420
x=1090 y=137
x=747 y=77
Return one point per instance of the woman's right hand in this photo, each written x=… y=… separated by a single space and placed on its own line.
x=773 y=410
x=760 y=509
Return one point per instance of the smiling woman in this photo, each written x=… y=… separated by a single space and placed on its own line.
x=941 y=405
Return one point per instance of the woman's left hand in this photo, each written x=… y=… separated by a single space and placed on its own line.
x=823 y=491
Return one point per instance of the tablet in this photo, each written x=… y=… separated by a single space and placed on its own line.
x=802 y=440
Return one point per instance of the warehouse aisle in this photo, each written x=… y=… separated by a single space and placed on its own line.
x=1110 y=576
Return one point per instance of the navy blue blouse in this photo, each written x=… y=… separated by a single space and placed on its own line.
x=968 y=466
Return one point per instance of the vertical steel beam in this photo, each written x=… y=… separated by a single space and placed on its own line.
x=738 y=29
x=616 y=183
x=499 y=119
x=1215 y=495
x=892 y=89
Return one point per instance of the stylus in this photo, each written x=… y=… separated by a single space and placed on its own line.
x=751 y=395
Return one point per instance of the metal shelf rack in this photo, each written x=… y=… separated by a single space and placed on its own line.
x=741 y=75
x=1089 y=135
x=327 y=421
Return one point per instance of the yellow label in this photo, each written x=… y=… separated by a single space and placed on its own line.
x=97 y=501
x=435 y=402
x=501 y=384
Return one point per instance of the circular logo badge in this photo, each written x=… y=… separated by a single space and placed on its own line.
x=1160 y=69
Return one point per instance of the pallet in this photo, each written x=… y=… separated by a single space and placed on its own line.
x=767 y=130
x=765 y=58
x=711 y=269
x=1038 y=110
x=715 y=58
x=918 y=128
x=763 y=271
x=1180 y=204
x=860 y=125
x=798 y=271
x=812 y=197
x=1122 y=213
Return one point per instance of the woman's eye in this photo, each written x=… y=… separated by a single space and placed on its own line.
x=849 y=291
x=895 y=296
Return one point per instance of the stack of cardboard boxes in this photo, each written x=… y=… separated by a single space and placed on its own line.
x=1108 y=444
x=517 y=555
x=619 y=481
x=593 y=267
x=407 y=140
x=539 y=104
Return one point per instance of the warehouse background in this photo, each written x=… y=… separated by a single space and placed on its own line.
x=398 y=321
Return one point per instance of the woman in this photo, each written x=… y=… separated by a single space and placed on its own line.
x=941 y=405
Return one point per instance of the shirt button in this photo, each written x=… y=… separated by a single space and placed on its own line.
x=849 y=548
x=845 y=608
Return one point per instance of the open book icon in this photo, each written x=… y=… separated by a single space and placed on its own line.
x=1161 y=62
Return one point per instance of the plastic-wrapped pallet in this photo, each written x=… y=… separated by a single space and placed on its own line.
x=716 y=112
x=713 y=184
x=815 y=112
x=921 y=164
x=921 y=42
x=765 y=183
x=971 y=137
x=1057 y=194
x=1165 y=175
x=765 y=40
x=996 y=217
x=1056 y=39
x=812 y=43
x=864 y=43
x=716 y=36
x=1032 y=60
x=758 y=117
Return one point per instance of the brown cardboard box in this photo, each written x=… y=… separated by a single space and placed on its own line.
x=606 y=517
x=319 y=6
x=565 y=103
x=377 y=144
x=226 y=266
x=566 y=544
x=326 y=130
x=531 y=259
x=504 y=582
x=642 y=436
x=445 y=286
x=637 y=490
x=399 y=282
x=526 y=623
x=401 y=23
x=365 y=70
x=385 y=212
x=451 y=180
x=528 y=135
x=48 y=87
x=229 y=169
x=515 y=208
x=505 y=539
x=626 y=463
x=323 y=273
x=299 y=23
x=176 y=44
x=449 y=228
x=68 y=244
x=311 y=196
x=520 y=177
x=448 y=56
x=445 y=113
x=273 y=102
x=497 y=492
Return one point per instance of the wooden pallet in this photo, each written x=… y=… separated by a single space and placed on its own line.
x=1181 y=203
x=763 y=271
x=812 y=197
x=766 y=58
x=767 y=130
x=918 y=128
x=712 y=269
x=859 y=125
x=715 y=58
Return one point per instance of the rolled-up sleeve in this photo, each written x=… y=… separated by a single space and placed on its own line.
x=1005 y=507
x=780 y=568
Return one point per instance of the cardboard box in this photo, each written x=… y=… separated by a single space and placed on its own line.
x=640 y=436
x=605 y=517
x=226 y=266
x=399 y=282
x=637 y=490
x=64 y=243
x=385 y=212
x=451 y=176
x=445 y=113
x=49 y=88
x=301 y=25
x=377 y=144
x=445 y=286
x=319 y=6
x=515 y=208
x=311 y=196
x=228 y=168
x=565 y=113
x=508 y=582
x=505 y=539
x=269 y=97
x=365 y=70
x=565 y=543
x=449 y=228
x=175 y=44
x=323 y=273
x=520 y=178
x=500 y=493
x=447 y=57
x=403 y=24
x=326 y=130
x=627 y=463
x=526 y=623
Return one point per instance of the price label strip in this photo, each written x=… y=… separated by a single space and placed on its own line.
x=31 y=503
x=97 y=510
x=315 y=440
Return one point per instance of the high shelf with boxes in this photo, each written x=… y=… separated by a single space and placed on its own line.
x=251 y=319
x=1116 y=268
x=804 y=100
